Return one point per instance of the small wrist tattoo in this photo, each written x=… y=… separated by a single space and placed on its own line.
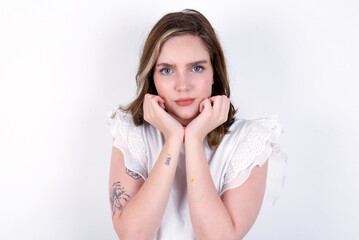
x=168 y=159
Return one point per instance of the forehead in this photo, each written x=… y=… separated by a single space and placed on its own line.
x=183 y=48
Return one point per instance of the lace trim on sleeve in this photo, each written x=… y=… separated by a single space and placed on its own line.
x=258 y=142
x=122 y=124
x=252 y=143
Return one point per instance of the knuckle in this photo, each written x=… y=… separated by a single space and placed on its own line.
x=147 y=97
x=223 y=118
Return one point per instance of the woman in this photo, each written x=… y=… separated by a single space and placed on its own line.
x=182 y=165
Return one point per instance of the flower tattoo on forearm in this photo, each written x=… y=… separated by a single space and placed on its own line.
x=116 y=196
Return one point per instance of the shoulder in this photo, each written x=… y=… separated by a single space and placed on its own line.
x=129 y=139
x=257 y=141
x=253 y=131
x=261 y=129
x=125 y=132
x=119 y=114
x=122 y=121
x=248 y=125
x=252 y=137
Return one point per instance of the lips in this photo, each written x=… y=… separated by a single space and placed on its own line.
x=185 y=101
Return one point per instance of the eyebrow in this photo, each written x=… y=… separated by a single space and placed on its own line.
x=188 y=64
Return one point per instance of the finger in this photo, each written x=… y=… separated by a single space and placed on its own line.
x=207 y=104
x=201 y=106
x=149 y=96
x=217 y=104
x=160 y=99
x=160 y=102
x=221 y=107
x=212 y=99
x=146 y=101
x=162 y=105
x=225 y=107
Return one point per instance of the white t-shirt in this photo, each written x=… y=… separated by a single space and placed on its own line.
x=250 y=143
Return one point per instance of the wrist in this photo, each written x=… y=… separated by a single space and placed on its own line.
x=174 y=140
x=193 y=139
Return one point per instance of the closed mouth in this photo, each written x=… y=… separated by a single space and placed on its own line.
x=185 y=102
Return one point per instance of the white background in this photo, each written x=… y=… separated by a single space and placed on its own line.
x=65 y=64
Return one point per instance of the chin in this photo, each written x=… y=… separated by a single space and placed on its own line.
x=187 y=114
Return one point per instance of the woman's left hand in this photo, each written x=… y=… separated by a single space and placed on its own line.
x=213 y=112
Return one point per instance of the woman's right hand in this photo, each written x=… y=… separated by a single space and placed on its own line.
x=154 y=113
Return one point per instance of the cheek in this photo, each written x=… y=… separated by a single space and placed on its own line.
x=207 y=82
x=161 y=88
x=206 y=88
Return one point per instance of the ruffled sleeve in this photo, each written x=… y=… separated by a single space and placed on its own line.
x=129 y=139
x=258 y=141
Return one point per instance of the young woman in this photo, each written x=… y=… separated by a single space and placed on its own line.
x=182 y=165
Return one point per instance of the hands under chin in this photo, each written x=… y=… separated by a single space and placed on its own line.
x=154 y=114
x=213 y=112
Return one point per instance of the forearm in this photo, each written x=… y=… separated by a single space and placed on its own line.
x=210 y=218
x=142 y=216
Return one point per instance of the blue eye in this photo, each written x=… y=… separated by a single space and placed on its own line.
x=166 y=71
x=197 y=69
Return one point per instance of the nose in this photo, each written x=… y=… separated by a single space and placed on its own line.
x=183 y=82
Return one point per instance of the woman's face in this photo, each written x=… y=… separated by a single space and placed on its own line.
x=183 y=70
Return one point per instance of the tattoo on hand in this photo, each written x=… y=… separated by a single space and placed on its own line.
x=168 y=159
x=117 y=195
x=133 y=174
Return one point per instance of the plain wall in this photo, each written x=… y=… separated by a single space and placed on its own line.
x=65 y=64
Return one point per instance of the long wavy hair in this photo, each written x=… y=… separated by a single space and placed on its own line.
x=188 y=21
